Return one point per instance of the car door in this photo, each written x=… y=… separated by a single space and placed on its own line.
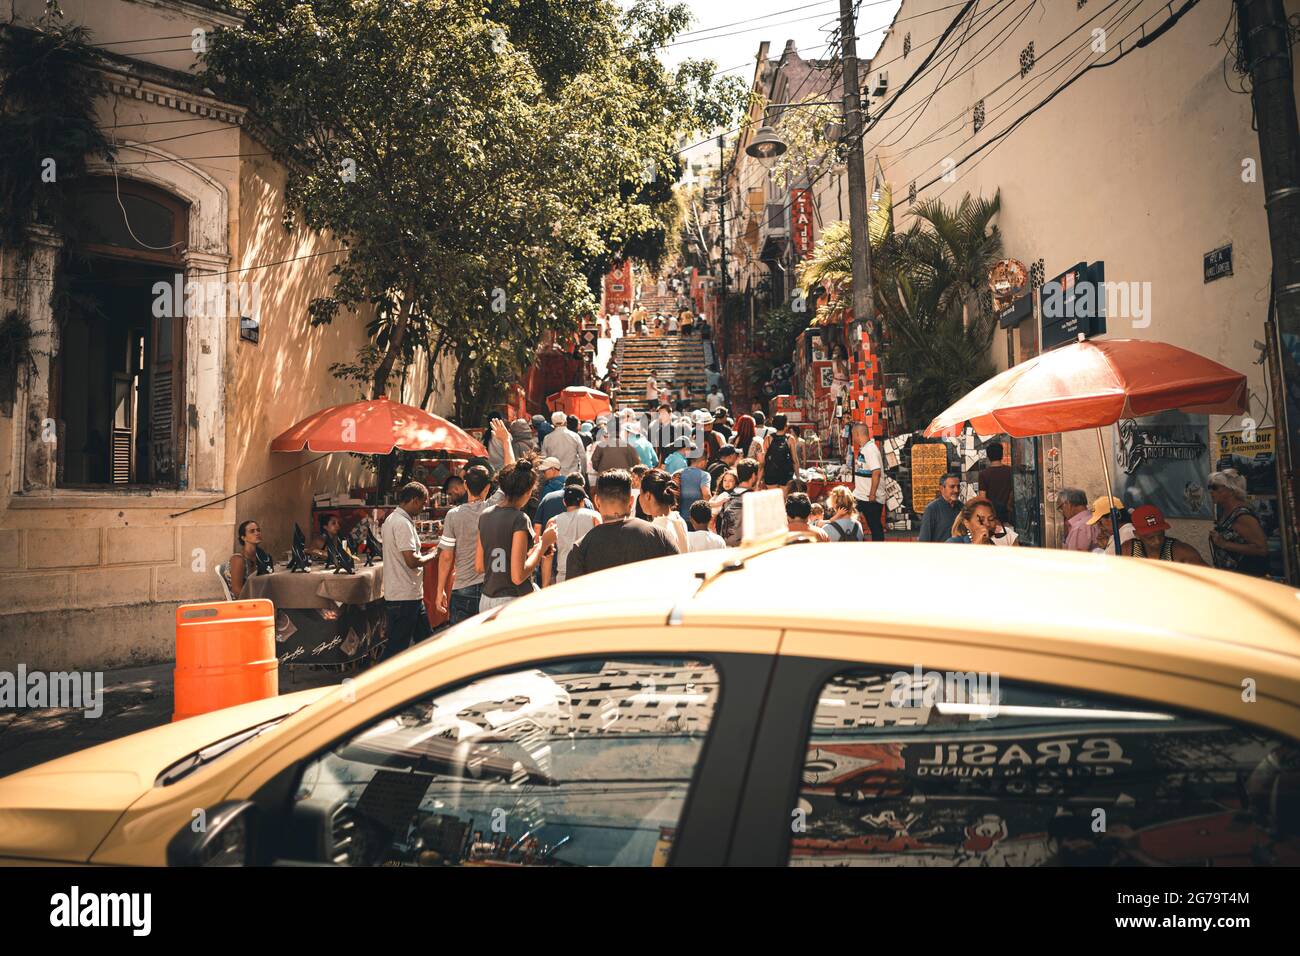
x=864 y=760
x=631 y=741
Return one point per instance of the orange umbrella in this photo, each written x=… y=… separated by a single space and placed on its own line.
x=376 y=427
x=585 y=403
x=1092 y=384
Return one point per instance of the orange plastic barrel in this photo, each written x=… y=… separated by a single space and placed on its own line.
x=225 y=655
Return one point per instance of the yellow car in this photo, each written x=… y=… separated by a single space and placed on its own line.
x=784 y=704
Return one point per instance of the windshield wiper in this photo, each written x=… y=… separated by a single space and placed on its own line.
x=187 y=765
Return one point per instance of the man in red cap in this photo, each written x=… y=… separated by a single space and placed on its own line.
x=1149 y=525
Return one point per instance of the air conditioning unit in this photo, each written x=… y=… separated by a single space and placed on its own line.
x=882 y=83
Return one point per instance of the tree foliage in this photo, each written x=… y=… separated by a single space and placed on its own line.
x=47 y=122
x=483 y=162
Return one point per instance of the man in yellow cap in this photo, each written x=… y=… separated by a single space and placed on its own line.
x=1101 y=518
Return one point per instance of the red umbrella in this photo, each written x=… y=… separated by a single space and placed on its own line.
x=585 y=403
x=376 y=427
x=1093 y=384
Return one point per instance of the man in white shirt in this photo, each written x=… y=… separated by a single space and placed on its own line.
x=869 y=481
x=716 y=399
x=564 y=446
x=403 y=572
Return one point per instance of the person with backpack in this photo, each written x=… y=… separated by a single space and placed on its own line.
x=780 y=455
x=729 y=518
x=843 y=524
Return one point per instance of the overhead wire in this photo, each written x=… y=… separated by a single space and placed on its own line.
x=1001 y=108
x=1147 y=39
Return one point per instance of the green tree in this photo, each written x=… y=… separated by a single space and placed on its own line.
x=480 y=161
x=47 y=122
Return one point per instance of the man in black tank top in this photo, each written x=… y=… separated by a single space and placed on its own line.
x=1149 y=525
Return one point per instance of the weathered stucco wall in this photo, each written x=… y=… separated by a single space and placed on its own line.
x=1138 y=165
x=91 y=579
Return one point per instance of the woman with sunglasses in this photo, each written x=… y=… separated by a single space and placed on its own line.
x=1238 y=542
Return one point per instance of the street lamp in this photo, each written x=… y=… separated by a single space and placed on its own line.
x=767 y=147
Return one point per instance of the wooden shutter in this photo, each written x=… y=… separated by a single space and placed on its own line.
x=165 y=391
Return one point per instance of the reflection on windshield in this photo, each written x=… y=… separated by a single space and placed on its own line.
x=584 y=763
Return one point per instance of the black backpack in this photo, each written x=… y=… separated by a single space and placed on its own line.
x=837 y=533
x=730 y=526
x=778 y=466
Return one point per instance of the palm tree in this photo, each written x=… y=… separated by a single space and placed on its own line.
x=930 y=287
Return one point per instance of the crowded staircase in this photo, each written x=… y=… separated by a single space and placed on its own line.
x=676 y=360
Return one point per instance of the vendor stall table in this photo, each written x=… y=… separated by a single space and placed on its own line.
x=322 y=617
x=819 y=488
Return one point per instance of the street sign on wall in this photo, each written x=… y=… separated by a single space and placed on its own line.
x=1218 y=263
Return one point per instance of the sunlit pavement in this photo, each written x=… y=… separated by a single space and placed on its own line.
x=135 y=699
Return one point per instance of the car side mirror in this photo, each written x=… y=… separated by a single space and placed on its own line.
x=221 y=836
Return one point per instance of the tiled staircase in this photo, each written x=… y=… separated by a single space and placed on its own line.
x=678 y=359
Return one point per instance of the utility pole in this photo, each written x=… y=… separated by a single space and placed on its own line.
x=1265 y=43
x=864 y=307
x=722 y=236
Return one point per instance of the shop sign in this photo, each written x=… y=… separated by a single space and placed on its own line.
x=1074 y=303
x=1016 y=312
x=801 y=217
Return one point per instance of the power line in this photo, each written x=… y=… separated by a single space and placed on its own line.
x=1004 y=106
x=734 y=23
x=949 y=61
x=736 y=33
x=988 y=50
x=1147 y=39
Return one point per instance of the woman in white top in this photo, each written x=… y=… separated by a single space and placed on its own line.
x=571 y=526
x=658 y=499
x=652 y=388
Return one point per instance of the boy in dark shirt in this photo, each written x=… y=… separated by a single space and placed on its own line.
x=619 y=538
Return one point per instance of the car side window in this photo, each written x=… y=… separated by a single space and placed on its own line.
x=930 y=769
x=577 y=763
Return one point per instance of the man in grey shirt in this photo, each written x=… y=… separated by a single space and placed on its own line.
x=936 y=522
x=565 y=447
x=458 y=542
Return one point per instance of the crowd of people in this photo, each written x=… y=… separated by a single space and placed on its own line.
x=556 y=499
x=1237 y=542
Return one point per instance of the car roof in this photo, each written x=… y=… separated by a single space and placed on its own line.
x=1048 y=598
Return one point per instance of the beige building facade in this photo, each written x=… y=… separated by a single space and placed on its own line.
x=121 y=448
x=1146 y=165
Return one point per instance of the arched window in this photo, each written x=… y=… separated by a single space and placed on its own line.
x=132 y=220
